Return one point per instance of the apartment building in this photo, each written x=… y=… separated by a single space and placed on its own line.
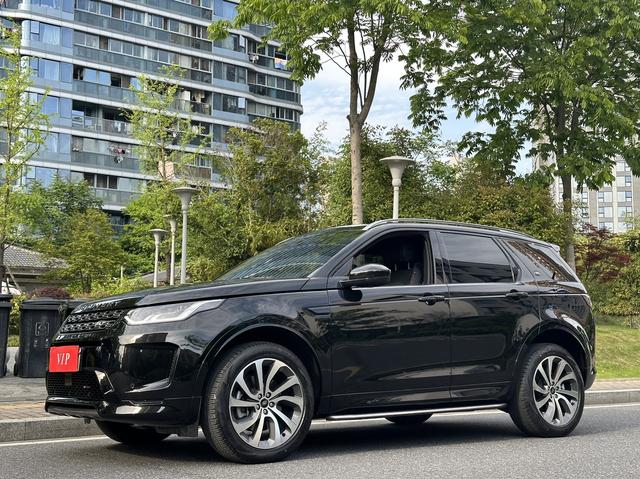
x=87 y=54
x=614 y=206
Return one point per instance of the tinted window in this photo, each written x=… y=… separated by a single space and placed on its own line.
x=542 y=261
x=476 y=259
x=295 y=257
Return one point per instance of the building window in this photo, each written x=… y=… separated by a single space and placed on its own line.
x=605 y=212
x=624 y=211
x=624 y=196
x=605 y=196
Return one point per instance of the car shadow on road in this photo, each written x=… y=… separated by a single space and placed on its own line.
x=336 y=439
x=352 y=438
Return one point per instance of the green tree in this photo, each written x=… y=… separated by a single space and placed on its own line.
x=358 y=36
x=23 y=129
x=169 y=141
x=422 y=183
x=484 y=195
x=562 y=75
x=54 y=205
x=90 y=251
x=274 y=195
x=147 y=212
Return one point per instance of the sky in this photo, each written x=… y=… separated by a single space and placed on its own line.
x=326 y=99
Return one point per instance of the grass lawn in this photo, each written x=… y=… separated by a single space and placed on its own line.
x=617 y=351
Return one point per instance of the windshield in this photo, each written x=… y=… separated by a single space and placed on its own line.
x=296 y=257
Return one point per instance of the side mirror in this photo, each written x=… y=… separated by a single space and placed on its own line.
x=367 y=276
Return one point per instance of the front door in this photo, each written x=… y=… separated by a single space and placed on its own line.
x=391 y=343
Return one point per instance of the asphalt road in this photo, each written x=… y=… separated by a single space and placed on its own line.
x=477 y=445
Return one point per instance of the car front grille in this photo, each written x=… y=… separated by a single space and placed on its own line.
x=77 y=325
x=80 y=385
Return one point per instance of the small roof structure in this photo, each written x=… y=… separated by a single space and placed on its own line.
x=26 y=267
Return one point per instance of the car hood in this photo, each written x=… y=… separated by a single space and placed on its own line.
x=215 y=290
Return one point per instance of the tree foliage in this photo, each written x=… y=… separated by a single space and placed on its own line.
x=357 y=36
x=471 y=192
x=559 y=76
x=168 y=139
x=274 y=195
x=147 y=212
x=90 y=251
x=54 y=205
x=23 y=129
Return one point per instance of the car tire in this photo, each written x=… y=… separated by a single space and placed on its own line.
x=256 y=417
x=130 y=434
x=549 y=394
x=408 y=420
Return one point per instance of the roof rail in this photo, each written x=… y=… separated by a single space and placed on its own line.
x=447 y=223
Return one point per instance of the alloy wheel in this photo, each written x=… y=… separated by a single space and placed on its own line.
x=266 y=403
x=555 y=390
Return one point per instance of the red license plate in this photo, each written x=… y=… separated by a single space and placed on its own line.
x=64 y=359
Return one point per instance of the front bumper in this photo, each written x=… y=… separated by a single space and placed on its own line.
x=131 y=379
x=164 y=413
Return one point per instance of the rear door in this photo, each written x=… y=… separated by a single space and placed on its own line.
x=493 y=302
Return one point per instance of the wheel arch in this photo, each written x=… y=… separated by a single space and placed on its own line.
x=281 y=335
x=565 y=338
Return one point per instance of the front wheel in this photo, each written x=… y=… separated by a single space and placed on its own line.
x=130 y=434
x=258 y=404
x=549 y=393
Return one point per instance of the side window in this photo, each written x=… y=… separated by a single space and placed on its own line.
x=407 y=256
x=542 y=261
x=476 y=259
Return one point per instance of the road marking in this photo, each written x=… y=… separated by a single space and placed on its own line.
x=53 y=441
x=318 y=422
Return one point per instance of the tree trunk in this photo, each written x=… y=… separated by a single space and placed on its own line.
x=355 y=131
x=567 y=209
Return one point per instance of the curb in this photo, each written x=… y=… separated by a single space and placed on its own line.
x=617 y=396
x=54 y=427
x=45 y=428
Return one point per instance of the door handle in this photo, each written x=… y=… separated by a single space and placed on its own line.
x=432 y=299
x=517 y=294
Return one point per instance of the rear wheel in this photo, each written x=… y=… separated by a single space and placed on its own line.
x=549 y=393
x=130 y=434
x=408 y=420
x=258 y=404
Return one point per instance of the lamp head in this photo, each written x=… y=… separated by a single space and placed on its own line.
x=173 y=223
x=158 y=234
x=185 y=193
x=396 y=165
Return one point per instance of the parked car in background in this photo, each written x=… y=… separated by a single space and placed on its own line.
x=400 y=319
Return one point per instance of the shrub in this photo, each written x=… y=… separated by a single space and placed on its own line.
x=50 y=292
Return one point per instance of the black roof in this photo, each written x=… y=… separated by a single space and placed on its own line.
x=453 y=225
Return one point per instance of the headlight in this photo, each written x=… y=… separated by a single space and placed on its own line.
x=169 y=312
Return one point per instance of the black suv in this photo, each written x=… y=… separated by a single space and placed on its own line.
x=400 y=319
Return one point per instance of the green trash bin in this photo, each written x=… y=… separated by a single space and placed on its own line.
x=5 y=310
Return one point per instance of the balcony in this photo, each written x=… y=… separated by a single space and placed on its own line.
x=103 y=161
x=142 y=31
x=178 y=7
x=100 y=125
x=125 y=95
x=115 y=197
x=134 y=63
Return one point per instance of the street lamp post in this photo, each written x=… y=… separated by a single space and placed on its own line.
x=172 y=265
x=158 y=234
x=396 y=165
x=185 y=193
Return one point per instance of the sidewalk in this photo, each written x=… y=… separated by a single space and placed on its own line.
x=22 y=415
